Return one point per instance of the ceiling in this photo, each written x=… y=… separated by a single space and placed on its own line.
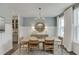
x=31 y=9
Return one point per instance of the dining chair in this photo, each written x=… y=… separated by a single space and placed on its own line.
x=61 y=38
x=33 y=44
x=49 y=45
x=22 y=44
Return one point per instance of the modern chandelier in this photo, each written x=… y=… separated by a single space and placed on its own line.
x=40 y=26
x=40 y=17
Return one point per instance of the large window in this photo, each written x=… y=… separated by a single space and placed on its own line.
x=61 y=26
x=76 y=24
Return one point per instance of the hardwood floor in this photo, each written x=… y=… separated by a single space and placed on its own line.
x=57 y=51
x=15 y=47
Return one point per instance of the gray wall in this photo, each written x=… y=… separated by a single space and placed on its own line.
x=28 y=21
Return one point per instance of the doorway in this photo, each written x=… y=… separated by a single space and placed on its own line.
x=15 y=31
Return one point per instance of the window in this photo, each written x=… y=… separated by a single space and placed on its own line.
x=2 y=24
x=76 y=24
x=61 y=26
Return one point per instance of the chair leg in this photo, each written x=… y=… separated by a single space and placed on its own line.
x=19 y=47
x=28 y=49
x=38 y=47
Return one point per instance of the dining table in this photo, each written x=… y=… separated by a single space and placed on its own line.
x=56 y=40
x=41 y=40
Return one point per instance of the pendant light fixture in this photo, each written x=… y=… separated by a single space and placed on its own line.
x=40 y=17
x=40 y=26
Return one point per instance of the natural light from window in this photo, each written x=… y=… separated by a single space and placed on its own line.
x=61 y=26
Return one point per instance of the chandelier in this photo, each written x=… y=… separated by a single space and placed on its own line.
x=40 y=16
x=40 y=26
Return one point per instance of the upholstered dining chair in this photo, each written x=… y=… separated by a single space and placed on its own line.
x=49 y=45
x=33 y=44
x=61 y=38
x=22 y=44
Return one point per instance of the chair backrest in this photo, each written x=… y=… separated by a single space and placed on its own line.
x=49 y=42
x=33 y=42
x=19 y=40
x=61 y=38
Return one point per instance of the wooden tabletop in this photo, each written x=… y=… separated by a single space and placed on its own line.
x=42 y=40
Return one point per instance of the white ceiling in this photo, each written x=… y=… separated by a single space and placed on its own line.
x=31 y=9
